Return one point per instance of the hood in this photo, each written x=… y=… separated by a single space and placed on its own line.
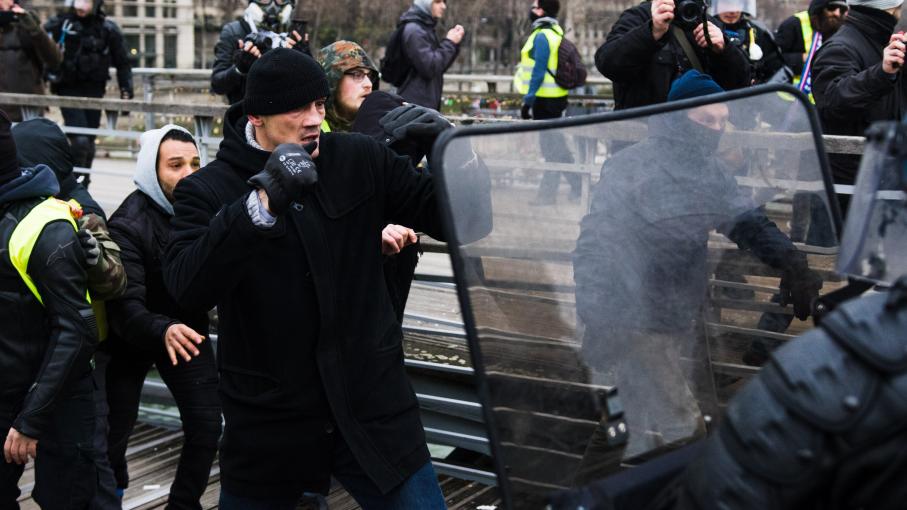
x=42 y=141
x=336 y=59
x=234 y=150
x=873 y=23
x=146 y=167
x=419 y=16
x=35 y=182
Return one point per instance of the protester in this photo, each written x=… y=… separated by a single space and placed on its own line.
x=857 y=79
x=48 y=337
x=543 y=98
x=801 y=35
x=91 y=43
x=269 y=23
x=150 y=329
x=738 y=19
x=312 y=377
x=646 y=51
x=351 y=75
x=25 y=52
x=428 y=56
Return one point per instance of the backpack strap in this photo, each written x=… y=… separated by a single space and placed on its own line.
x=681 y=38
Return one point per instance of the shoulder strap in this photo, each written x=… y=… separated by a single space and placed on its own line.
x=681 y=38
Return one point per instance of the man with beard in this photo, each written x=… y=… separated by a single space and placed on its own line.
x=857 y=79
x=641 y=271
x=801 y=35
x=428 y=56
x=91 y=44
x=234 y=54
x=285 y=241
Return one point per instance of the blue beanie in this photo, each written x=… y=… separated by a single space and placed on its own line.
x=693 y=84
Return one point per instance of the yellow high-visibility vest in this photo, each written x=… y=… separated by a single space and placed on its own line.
x=806 y=29
x=25 y=235
x=325 y=127
x=549 y=88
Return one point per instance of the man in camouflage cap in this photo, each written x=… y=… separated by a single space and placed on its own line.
x=351 y=75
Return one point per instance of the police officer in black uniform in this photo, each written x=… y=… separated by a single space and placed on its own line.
x=738 y=21
x=91 y=43
x=824 y=425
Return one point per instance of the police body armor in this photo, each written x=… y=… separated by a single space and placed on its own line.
x=604 y=339
x=86 y=49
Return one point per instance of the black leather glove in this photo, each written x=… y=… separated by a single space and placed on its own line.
x=243 y=60
x=800 y=287
x=90 y=247
x=288 y=176
x=413 y=122
x=526 y=112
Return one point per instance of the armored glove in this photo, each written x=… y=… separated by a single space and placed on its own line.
x=243 y=60
x=90 y=247
x=526 y=111
x=800 y=287
x=413 y=122
x=288 y=176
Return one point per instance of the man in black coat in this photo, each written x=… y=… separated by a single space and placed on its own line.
x=857 y=79
x=642 y=54
x=310 y=353
x=795 y=35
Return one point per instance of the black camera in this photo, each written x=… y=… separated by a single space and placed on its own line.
x=689 y=13
x=7 y=17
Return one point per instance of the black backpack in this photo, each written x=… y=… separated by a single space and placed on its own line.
x=395 y=65
x=571 y=72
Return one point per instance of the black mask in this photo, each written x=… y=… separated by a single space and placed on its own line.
x=533 y=16
x=700 y=137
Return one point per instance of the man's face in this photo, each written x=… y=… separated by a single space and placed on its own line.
x=175 y=159
x=536 y=9
x=712 y=116
x=730 y=17
x=6 y=5
x=437 y=8
x=302 y=126
x=831 y=18
x=352 y=89
x=82 y=7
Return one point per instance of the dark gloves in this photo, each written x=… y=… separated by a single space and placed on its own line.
x=243 y=60
x=288 y=176
x=413 y=122
x=126 y=93
x=800 y=286
x=90 y=247
x=526 y=111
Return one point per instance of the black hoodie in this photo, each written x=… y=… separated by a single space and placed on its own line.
x=429 y=56
x=309 y=342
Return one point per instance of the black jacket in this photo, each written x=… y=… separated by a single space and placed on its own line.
x=91 y=47
x=430 y=58
x=850 y=88
x=790 y=39
x=25 y=51
x=145 y=311
x=643 y=69
x=739 y=34
x=308 y=336
x=224 y=77
x=46 y=349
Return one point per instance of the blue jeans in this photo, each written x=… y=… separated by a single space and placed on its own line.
x=419 y=492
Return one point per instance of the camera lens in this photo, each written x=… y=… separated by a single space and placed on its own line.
x=690 y=11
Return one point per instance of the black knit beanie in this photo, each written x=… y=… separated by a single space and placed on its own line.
x=9 y=161
x=282 y=80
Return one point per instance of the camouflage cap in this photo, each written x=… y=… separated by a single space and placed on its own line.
x=342 y=56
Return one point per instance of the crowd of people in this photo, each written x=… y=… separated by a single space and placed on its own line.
x=303 y=233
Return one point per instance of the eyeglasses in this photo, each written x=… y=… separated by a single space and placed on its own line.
x=357 y=74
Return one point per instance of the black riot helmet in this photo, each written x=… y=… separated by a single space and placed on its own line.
x=86 y=8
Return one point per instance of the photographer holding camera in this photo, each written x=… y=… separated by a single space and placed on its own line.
x=266 y=24
x=25 y=50
x=654 y=43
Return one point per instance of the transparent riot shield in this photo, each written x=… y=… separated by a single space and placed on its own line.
x=640 y=268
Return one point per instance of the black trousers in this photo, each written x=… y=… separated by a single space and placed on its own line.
x=554 y=149
x=83 y=146
x=65 y=475
x=194 y=387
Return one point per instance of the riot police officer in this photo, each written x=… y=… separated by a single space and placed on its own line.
x=823 y=425
x=265 y=24
x=90 y=43
x=738 y=19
